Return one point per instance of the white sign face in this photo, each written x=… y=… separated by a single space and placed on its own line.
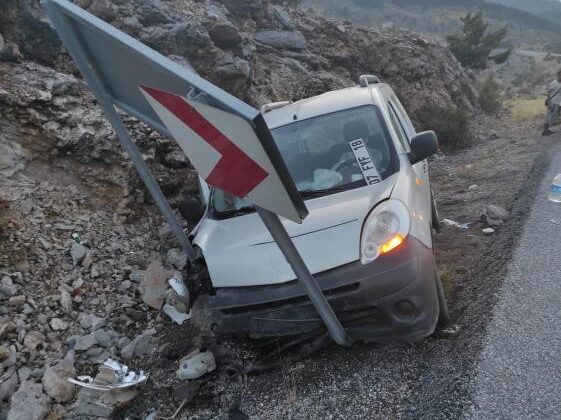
x=224 y=149
x=365 y=163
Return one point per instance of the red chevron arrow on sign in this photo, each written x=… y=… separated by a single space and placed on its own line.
x=235 y=172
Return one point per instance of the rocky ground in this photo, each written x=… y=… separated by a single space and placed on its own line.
x=85 y=256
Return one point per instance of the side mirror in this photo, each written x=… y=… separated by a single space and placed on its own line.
x=423 y=145
x=192 y=209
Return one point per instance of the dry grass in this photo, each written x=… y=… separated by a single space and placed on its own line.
x=447 y=275
x=526 y=109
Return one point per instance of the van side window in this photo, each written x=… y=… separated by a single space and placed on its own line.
x=403 y=117
x=401 y=136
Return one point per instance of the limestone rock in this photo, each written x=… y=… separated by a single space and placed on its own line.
x=55 y=381
x=226 y=36
x=28 y=403
x=290 y=40
x=34 y=340
x=154 y=285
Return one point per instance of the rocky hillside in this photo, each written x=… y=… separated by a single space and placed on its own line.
x=258 y=51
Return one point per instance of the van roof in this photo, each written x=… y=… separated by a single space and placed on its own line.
x=325 y=103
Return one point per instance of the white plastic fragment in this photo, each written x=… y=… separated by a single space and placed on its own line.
x=123 y=378
x=488 y=231
x=449 y=222
x=175 y=315
x=195 y=365
x=177 y=284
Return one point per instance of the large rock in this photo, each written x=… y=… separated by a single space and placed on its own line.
x=290 y=40
x=34 y=340
x=154 y=285
x=55 y=381
x=141 y=345
x=28 y=403
x=9 y=385
x=25 y=23
x=185 y=39
x=281 y=16
x=494 y=215
x=152 y=12
x=226 y=36
x=103 y=9
x=233 y=76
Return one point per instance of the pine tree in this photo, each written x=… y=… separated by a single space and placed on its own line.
x=473 y=46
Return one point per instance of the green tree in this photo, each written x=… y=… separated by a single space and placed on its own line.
x=473 y=46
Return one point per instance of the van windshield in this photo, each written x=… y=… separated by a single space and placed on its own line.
x=327 y=154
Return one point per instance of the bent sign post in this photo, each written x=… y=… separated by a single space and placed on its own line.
x=226 y=140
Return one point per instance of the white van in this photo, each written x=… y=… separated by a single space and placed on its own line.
x=361 y=168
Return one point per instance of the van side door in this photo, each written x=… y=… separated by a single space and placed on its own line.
x=406 y=129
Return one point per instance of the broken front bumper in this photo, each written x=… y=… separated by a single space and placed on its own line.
x=393 y=298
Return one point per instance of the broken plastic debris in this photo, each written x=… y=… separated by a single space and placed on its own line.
x=177 y=284
x=195 y=365
x=177 y=316
x=488 y=231
x=122 y=378
x=451 y=330
x=449 y=222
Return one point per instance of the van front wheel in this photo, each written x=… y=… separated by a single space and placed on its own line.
x=444 y=312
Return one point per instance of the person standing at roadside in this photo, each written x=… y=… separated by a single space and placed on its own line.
x=553 y=102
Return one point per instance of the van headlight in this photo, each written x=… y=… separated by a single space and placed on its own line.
x=385 y=228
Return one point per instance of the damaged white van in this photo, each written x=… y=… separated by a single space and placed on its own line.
x=361 y=168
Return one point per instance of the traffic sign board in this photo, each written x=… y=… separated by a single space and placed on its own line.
x=226 y=140
x=224 y=149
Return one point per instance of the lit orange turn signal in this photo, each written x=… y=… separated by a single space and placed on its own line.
x=393 y=243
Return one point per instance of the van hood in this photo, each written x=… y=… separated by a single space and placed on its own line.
x=240 y=251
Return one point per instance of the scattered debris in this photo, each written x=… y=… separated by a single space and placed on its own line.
x=494 y=215
x=109 y=391
x=78 y=253
x=177 y=284
x=451 y=330
x=449 y=222
x=195 y=365
x=175 y=315
x=121 y=378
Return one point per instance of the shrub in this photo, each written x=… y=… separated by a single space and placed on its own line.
x=451 y=124
x=490 y=97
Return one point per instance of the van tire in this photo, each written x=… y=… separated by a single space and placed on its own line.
x=435 y=220
x=443 y=310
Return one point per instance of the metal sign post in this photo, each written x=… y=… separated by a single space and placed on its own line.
x=226 y=140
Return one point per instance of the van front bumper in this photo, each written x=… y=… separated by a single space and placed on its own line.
x=392 y=298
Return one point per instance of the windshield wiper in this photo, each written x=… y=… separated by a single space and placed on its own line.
x=238 y=212
x=312 y=193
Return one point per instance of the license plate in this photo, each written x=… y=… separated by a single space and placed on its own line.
x=365 y=163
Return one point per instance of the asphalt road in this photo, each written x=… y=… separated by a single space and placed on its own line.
x=518 y=375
